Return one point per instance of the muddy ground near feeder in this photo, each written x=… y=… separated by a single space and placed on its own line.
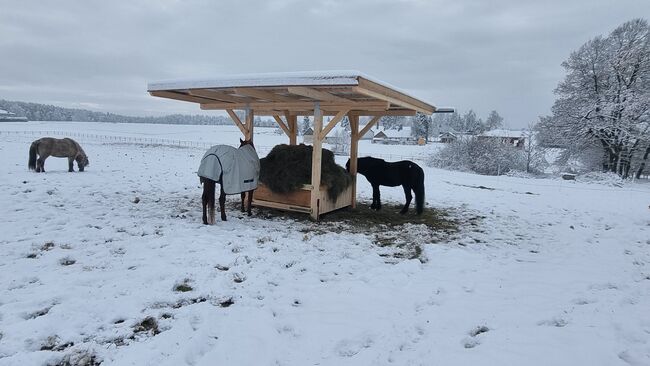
x=398 y=236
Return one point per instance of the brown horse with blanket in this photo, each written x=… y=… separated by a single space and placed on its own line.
x=236 y=171
x=60 y=148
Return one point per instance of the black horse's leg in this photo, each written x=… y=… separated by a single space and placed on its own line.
x=250 y=201
x=222 y=203
x=409 y=197
x=243 y=197
x=70 y=161
x=208 y=200
x=376 y=199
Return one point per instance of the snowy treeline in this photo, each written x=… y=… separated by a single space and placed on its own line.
x=44 y=112
x=602 y=114
x=427 y=126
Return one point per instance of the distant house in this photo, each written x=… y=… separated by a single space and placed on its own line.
x=308 y=136
x=447 y=137
x=507 y=137
x=395 y=137
x=10 y=117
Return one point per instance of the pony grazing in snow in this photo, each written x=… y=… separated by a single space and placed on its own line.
x=381 y=173
x=236 y=171
x=60 y=148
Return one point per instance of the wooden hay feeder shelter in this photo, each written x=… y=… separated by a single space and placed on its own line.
x=285 y=96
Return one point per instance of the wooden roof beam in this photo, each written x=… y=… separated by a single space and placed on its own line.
x=218 y=96
x=179 y=96
x=390 y=112
x=378 y=105
x=263 y=94
x=318 y=95
x=389 y=99
x=379 y=91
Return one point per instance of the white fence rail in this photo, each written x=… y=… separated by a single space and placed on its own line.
x=262 y=150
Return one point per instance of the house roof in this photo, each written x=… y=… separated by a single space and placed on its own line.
x=278 y=93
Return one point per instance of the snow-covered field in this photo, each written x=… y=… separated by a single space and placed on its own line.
x=553 y=273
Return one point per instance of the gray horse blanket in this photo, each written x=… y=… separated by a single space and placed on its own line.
x=238 y=169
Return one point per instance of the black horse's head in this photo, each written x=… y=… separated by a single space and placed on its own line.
x=246 y=142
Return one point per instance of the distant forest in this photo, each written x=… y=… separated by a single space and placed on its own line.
x=45 y=112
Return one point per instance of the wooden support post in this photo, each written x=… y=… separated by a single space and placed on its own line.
x=292 y=120
x=354 y=153
x=250 y=116
x=316 y=158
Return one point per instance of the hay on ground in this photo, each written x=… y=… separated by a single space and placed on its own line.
x=288 y=167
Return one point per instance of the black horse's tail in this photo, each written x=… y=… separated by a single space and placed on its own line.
x=32 y=155
x=419 y=191
x=208 y=198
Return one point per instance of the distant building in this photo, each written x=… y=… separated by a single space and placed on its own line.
x=395 y=137
x=308 y=135
x=447 y=137
x=10 y=117
x=507 y=137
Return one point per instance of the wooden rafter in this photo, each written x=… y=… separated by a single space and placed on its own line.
x=396 y=95
x=263 y=94
x=179 y=96
x=339 y=116
x=217 y=95
x=379 y=105
x=317 y=94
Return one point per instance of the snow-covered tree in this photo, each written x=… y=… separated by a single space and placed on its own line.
x=605 y=97
x=391 y=122
x=304 y=125
x=341 y=143
x=471 y=123
x=421 y=125
x=345 y=123
x=493 y=121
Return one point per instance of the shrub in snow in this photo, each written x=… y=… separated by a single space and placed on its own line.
x=608 y=178
x=488 y=157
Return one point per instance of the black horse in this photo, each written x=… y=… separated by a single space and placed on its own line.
x=381 y=173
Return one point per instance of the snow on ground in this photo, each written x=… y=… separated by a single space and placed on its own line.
x=556 y=272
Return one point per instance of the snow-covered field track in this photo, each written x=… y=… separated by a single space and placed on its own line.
x=113 y=265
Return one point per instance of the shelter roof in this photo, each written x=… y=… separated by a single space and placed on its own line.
x=295 y=92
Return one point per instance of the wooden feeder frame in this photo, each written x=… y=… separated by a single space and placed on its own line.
x=289 y=95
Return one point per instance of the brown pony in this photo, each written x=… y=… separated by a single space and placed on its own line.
x=60 y=148
x=236 y=171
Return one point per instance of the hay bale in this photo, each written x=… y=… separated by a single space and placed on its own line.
x=288 y=167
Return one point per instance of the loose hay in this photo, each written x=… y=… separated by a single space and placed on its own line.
x=288 y=167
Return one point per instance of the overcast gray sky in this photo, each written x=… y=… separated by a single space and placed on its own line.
x=500 y=54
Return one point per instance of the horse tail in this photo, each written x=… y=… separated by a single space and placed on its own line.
x=208 y=197
x=419 y=191
x=32 y=155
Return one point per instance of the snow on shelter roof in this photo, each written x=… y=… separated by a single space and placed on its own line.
x=293 y=91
